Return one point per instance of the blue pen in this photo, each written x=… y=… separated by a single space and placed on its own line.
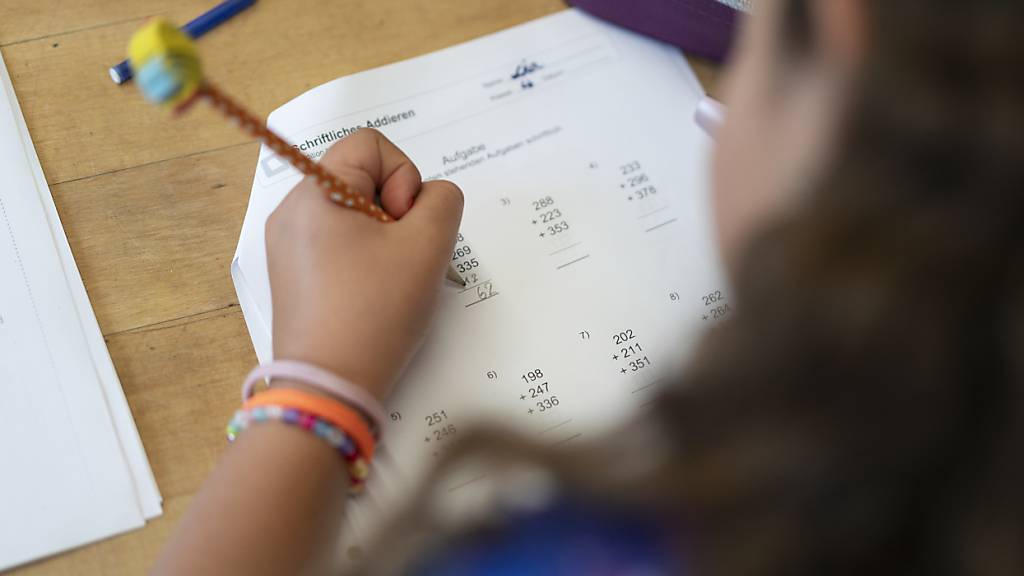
x=204 y=23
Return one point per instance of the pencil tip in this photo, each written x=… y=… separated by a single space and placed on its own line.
x=455 y=277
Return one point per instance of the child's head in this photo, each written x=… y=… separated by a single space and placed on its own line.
x=804 y=69
x=863 y=412
x=787 y=89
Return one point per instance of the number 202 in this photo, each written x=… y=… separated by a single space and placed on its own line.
x=622 y=337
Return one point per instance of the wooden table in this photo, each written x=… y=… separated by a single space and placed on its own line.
x=153 y=206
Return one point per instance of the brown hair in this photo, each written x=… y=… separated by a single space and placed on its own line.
x=864 y=413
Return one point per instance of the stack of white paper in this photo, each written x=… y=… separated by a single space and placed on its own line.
x=73 y=467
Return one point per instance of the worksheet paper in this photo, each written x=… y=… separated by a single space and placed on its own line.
x=74 y=469
x=586 y=240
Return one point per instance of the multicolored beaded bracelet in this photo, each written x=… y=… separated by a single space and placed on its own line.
x=358 y=469
x=322 y=380
x=334 y=412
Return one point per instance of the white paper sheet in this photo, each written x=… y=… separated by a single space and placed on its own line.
x=74 y=470
x=586 y=237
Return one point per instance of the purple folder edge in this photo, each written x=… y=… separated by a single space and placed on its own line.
x=700 y=27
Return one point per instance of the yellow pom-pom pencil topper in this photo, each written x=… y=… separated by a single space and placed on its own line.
x=166 y=63
x=168 y=72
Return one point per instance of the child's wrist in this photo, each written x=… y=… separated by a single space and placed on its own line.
x=361 y=374
x=291 y=384
x=316 y=380
x=297 y=385
x=340 y=425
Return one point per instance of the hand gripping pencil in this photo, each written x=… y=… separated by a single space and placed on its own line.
x=167 y=71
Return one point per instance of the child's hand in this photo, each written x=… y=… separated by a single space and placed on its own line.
x=352 y=294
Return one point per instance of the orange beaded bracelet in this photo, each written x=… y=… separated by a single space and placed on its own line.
x=344 y=418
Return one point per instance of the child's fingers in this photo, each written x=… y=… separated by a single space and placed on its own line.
x=369 y=162
x=435 y=217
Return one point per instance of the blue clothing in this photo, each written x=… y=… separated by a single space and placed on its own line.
x=568 y=538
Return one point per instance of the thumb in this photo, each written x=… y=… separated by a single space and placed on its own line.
x=436 y=214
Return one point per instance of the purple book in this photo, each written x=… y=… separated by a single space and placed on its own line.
x=699 y=27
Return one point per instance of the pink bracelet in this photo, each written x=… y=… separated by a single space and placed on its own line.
x=322 y=380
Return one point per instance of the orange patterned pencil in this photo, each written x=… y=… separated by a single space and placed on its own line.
x=167 y=70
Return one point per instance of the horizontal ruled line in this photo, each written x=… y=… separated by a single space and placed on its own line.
x=467 y=483
x=573 y=262
x=471 y=286
x=556 y=426
x=654 y=382
x=663 y=224
x=567 y=440
x=482 y=300
x=566 y=248
x=642 y=388
x=658 y=211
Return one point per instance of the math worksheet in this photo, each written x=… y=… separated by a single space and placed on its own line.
x=587 y=239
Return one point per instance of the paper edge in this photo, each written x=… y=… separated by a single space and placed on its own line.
x=147 y=493
x=259 y=333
